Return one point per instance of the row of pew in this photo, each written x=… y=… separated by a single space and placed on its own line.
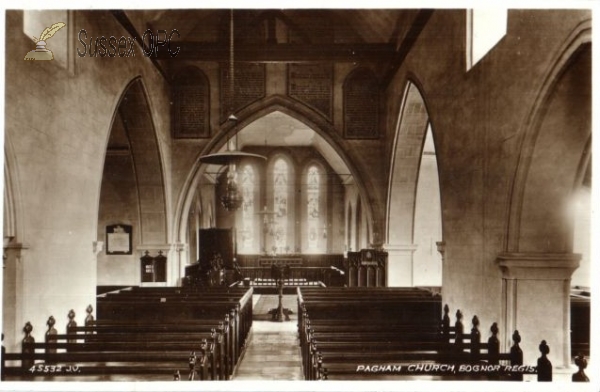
x=146 y=334
x=400 y=333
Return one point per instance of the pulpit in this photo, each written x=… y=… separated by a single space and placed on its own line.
x=366 y=268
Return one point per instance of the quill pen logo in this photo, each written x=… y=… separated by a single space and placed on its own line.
x=40 y=52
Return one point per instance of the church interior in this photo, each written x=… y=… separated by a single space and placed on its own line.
x=311 y=187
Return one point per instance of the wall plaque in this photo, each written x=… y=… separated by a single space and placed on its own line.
x=118 y=239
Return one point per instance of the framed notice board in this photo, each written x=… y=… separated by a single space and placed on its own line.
x=118 y=239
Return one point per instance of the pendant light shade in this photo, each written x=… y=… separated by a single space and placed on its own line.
x=232 y=198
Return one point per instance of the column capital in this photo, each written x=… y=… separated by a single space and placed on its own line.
x=441 y=248
x=538 y=266
x=179 y=246
x=400 y=247
x=154 y=248
x=97 y=247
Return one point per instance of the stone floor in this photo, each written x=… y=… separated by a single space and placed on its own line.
x=273 y=352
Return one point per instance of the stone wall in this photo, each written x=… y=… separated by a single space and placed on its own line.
x=479 y=119
x=57 y=125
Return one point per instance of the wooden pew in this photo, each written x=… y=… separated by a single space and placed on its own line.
x=184 y=305
x=97 y=355
x=361 y=308
x=129 y=339
x=341 y=335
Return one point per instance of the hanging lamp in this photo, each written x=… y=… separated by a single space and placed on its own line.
x=232 y=198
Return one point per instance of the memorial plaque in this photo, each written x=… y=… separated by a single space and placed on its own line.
x=312 y=84
x=118 y=239
x=249 y=86
x=361 y=105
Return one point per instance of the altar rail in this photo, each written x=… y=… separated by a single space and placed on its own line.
x=329 y=276
x=293 y=260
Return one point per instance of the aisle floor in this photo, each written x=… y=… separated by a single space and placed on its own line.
x=273 y=352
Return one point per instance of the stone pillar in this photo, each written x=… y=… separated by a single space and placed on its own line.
x=535 y=295
x=12 y=294
x=399 y=270
x=181 y=250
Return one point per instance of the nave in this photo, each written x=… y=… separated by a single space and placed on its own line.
x=361 y=131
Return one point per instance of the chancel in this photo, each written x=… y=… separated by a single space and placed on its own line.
x=298 y=194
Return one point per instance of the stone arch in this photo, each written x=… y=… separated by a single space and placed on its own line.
x=405 y=165
x=538 y=259
x=535 y=226
x=12 y=207
x=135 y=110
x=13 y=250
x=138 y=149
x=248 y=115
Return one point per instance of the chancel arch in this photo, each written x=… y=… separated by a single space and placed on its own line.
x=320 y=135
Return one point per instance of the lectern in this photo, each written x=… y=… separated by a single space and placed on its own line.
x=279 y=273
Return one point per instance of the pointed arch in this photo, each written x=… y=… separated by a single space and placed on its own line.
x=250 y=114
x=548 y=133
x=133 y=150
x=12 y=208
x=411 y=131
x=405 y=172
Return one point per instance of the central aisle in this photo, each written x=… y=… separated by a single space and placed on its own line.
x=273 y=352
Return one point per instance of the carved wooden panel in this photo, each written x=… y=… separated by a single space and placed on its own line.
x=366 y=268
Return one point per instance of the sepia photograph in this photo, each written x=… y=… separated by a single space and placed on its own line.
x=298 y=197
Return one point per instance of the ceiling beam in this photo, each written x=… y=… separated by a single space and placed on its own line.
x=407 y=43
x=265 y=53
x=124 y=20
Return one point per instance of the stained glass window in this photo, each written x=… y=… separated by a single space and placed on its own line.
x=280 y=205
x=312 y=193
x=246 y=234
